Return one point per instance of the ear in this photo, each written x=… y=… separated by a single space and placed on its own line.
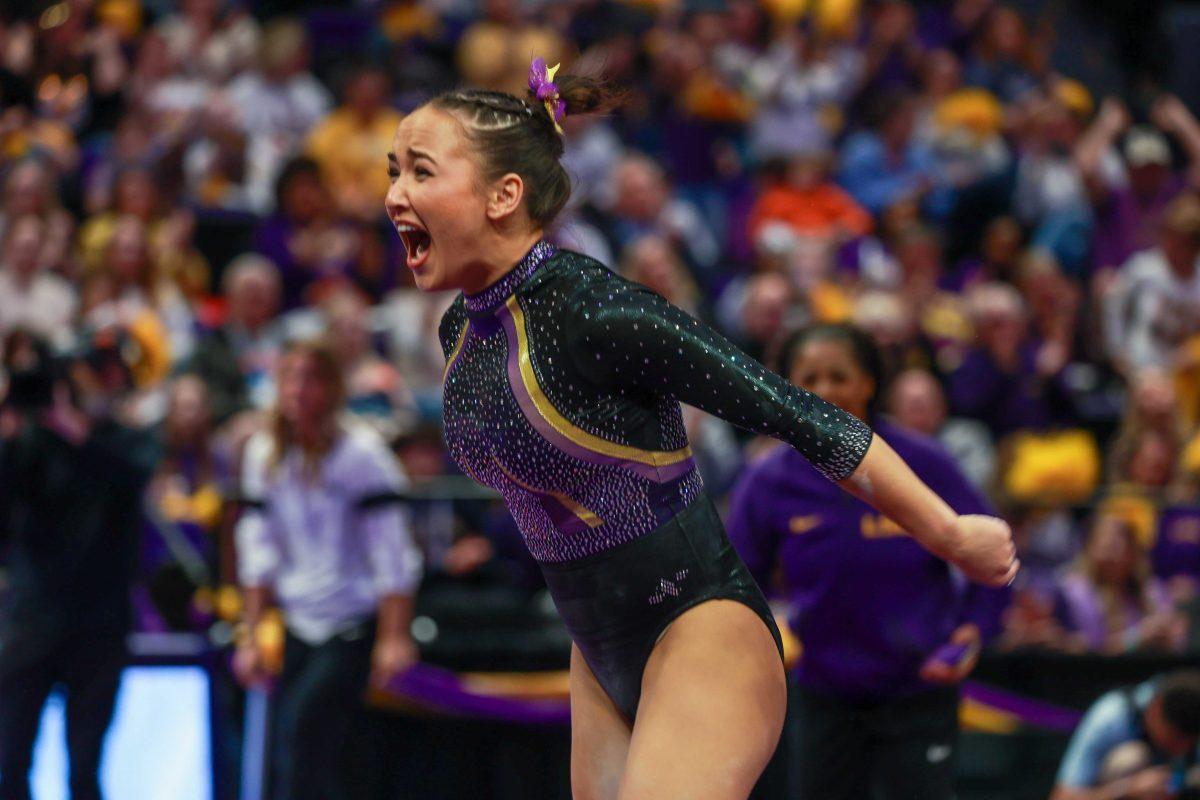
x=505 y=196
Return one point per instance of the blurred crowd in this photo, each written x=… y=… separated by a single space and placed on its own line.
x=208 y=176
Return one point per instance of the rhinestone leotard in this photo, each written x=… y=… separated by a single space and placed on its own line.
x=562 y=390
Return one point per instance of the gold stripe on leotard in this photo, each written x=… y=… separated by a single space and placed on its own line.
x=655 y=458
x=462 y=338
x=588 y=517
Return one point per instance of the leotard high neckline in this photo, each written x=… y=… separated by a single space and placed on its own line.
x=493 y=297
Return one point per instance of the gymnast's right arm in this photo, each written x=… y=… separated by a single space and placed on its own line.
x=629 y=339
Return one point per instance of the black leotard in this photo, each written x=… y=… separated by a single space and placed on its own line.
x=562 y=391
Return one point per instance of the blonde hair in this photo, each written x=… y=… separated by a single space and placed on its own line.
x=280 y=430
x=1136 y=586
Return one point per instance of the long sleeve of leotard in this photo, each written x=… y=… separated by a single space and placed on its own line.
x=629 y=339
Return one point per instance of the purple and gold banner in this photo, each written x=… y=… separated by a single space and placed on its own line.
x=540 y=698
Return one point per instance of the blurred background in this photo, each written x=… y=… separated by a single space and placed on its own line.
x=1004 y=195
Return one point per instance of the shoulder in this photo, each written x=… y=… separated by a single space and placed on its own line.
x=258 y=449
x=364 y=455
x=1109 y=722
x=581 y=284
x=587 y=286
x=574 y=271
x=1145 y=265
x=451 y=325
x=1113 y=716
x=915 y=446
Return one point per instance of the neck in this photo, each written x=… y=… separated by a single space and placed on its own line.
x=500 y=260
x=22 y=278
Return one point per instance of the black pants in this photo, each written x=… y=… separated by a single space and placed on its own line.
x=88 y=669
x=902 y=749
x=319 y=697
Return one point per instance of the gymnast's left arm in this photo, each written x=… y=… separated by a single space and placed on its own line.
x=630 y=340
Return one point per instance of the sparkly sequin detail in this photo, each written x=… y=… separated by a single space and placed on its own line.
x=668 y=587
x=564 y=396
x=501 y=290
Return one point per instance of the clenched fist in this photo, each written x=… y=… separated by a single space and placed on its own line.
x=982 y=547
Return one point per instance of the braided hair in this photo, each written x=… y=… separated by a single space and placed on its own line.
x=512 y=134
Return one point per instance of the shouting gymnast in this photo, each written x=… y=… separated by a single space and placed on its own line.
x=562 y=391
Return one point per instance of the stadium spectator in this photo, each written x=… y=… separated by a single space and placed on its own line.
x=918 y=402
x=185 y=504
x=237 y=360
x=347 y=143
x=809 y=203
x=276 y=105
x=1007 y=381
x=312 y=247
x=375 y=390
x=31 y=296
x=1154 y=305
x=345 y=587
x=1109 y=602
x=71 y=482
x=879 y=711
x=1135 y=742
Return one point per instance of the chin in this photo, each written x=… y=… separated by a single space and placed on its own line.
x=428 y=281
x=433 y=279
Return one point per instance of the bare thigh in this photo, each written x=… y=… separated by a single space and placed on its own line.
x=599 y=736
x=711 y=711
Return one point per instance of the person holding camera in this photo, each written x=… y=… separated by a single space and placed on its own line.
x=71 y=484
x=1136 y=743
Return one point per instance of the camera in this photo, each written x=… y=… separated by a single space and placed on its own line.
x=105 y=361
x=32 y=372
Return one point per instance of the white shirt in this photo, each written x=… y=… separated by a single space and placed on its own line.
x=46 y=306
x=1151 y=311
x=328 y=556
x=275 y=117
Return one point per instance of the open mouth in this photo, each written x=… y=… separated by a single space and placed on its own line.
x=416 y=241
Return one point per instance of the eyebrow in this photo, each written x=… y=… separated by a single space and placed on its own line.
x=421 y=154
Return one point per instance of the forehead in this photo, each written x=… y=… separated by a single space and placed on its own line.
x=430 y=130
x=826 y=349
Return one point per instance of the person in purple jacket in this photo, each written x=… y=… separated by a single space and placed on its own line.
x=888 y=631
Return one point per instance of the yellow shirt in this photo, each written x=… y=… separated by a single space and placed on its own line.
x=353 y=156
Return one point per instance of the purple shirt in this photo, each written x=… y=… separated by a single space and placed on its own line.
x=1006 y=401
x=1080 y=608
x=1127 y=223
x=868 y=603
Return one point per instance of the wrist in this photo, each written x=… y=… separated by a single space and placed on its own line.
x=243 y=635
x=393 y=637
x=948 y=537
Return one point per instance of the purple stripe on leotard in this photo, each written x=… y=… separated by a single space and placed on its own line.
x=529 y=408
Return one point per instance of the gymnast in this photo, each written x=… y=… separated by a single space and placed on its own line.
x=561 y=391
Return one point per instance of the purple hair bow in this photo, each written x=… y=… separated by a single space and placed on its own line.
x=541 y=83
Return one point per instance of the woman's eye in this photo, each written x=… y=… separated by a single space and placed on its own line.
x=393 y=174
x=421 y=172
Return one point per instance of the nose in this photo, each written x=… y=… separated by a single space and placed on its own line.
x=395 y=201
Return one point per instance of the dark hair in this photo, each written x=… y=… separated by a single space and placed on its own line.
x=298 y=167
x=862 y=347
x=518 y=135
x=886 y=104
x=1180 y=692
